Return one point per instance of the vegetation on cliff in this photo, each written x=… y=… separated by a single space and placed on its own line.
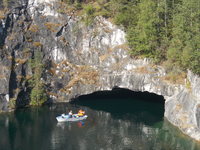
x=38 y=94
x=166 y=31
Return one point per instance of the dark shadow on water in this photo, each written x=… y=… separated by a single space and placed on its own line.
x=125 y=104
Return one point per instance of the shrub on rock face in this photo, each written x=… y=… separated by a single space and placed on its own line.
x=38 y=95
x=89 y=14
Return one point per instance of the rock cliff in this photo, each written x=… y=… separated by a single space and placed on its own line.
x=83 y=59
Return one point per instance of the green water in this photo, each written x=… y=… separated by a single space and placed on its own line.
x=120 y=122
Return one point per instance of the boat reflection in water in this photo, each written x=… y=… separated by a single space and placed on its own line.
x=68 y=125
x=105 y=130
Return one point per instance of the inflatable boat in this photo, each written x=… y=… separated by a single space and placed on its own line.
x=74 y=117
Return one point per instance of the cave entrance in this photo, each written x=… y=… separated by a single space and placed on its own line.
x=121 y=103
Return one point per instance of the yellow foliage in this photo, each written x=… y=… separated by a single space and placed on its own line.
x=104 y=57
x=34 y=28
x=122 y=46
x=142 y=70
x=2 y=76
x=2 y=13
x=178 y=107
x=53 y=94
x=19 y=77
x=28 y=77
x=52 y=71
x=37 y=44
x=12 y=103
x=20 y=61
x=175 y=78
x=52 y=26
x=83 y=75
x=188 y=84
x=65 y=42
x=12 y=36
x=10 y=57
x=29 y=40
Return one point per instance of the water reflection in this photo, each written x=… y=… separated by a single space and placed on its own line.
x=104 y=129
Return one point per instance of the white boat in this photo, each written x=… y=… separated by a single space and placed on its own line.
x=75 y=117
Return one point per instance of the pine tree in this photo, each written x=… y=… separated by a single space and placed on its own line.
x=38 y=95
x=184 y=46
x=125 y=12
x=143 y=37
x=192 y=15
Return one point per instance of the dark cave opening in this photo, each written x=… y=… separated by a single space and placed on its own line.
x=122 y=103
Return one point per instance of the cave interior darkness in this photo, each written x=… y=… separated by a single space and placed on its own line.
x=123 y=102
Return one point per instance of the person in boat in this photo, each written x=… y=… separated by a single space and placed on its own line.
x=81 y=113
x=70 y=114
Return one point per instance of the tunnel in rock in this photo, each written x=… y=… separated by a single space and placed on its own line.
x=121 y=103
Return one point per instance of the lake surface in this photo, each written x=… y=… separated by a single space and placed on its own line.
x=115 y=122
